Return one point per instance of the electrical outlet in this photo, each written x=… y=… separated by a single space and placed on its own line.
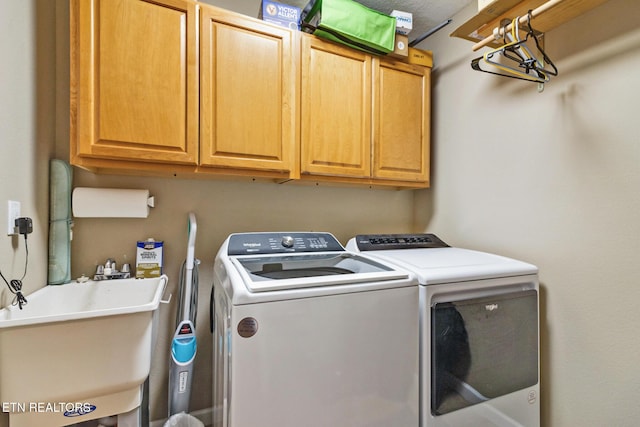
x=12 y=213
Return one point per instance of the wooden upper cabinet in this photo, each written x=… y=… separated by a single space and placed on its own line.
x=401 y=121
x=363 y=116
x=180 y=87
x=335 y=110
x=134 y=87
x=247 y=93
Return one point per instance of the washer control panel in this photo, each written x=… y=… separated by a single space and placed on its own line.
x=383 y=242
x=274 y=243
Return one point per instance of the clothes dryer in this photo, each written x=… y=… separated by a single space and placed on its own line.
x=479 y=331
x=308 y=334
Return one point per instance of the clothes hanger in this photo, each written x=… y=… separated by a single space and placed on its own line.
x=546 y=59
x=523 y=55
x=525 y=59
x=527 y=64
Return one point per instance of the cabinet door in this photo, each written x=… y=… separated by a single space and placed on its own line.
x=134 y=86
x=401 y=121
x=335 y=110
x=247 y=99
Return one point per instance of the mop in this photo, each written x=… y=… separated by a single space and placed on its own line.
x=183 y=346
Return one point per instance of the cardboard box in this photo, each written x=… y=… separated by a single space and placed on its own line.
x=404 y=21
x=420 y=57
x=280 y=14
x=401 y=47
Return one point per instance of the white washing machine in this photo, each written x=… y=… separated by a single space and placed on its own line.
x=308 y=334
x=479 y=331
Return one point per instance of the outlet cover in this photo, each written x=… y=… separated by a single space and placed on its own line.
x=13 y=212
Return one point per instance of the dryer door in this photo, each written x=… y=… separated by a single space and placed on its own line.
x=482 y=348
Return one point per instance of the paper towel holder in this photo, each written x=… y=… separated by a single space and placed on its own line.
x=111 y=203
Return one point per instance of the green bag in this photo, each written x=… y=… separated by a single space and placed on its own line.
x=350 y=23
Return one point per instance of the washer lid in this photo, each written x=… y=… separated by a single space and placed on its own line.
x=262 y=273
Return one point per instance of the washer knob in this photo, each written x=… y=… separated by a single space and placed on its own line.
x=287 y=241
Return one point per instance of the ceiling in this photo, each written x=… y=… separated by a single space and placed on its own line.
x=427 y=14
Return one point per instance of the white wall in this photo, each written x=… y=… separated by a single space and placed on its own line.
x=27 y=128
x=553 y=178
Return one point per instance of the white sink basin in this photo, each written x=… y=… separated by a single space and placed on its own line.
x=79 y=342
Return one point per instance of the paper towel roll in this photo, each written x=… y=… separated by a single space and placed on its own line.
x=110 y=203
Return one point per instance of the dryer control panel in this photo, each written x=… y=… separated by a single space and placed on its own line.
x=275 y=243
x=383 y=242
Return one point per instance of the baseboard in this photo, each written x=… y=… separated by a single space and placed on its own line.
x=204 y=415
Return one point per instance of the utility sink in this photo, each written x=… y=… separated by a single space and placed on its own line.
x=87 y=343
